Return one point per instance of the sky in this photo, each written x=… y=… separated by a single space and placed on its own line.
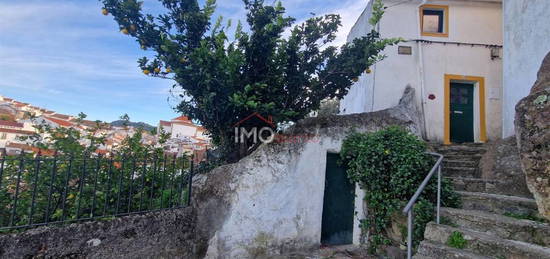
x=64 y=55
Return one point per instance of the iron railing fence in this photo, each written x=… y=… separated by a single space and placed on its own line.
x=37 y=191
x=410 y=205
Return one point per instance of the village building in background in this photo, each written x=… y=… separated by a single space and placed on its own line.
x=19 y=119
x=186 y=137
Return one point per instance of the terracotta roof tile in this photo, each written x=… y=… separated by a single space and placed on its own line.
x=16 y=131
x=181 y=118
x=11 y=124
x=61 y=116
x=63 y=123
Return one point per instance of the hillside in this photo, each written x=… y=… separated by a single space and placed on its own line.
x=143 y=125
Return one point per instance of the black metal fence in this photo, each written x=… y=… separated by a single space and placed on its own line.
x=36 y=191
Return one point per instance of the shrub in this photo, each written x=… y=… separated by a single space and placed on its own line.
x=456 y=240
x=389 y=165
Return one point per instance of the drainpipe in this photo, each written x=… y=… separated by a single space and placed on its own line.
x=421 y=69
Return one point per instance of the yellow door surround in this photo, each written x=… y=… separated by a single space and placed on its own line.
x=480 y=82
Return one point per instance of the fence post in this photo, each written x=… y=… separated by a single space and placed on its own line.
x=50 y=190
x=190 y=183
x=35 y=185
x=409 y=233
x=438 y=191
x=2 y=167
x=131 y=183
x=97 y=168
x=81 y=187
x=19 y=172
x=66 y=190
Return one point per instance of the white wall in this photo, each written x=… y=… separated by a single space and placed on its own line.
x=275 y=195
x=180 y=130
x=526 y=43
x=469 y=22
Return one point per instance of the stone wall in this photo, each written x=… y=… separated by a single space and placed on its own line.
x=163 y=234
x=271 y=202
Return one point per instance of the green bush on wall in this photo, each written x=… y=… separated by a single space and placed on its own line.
x=389 y=165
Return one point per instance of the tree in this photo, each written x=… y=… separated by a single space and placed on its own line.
x=259 y=70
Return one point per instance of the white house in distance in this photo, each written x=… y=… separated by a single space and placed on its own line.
x=453 y=58
x=182 y=127
x=185 y=137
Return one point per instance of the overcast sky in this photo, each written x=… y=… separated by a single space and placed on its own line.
x=64 y=55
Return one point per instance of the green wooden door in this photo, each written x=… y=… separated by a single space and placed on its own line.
x=462 y=112
x=338 y=205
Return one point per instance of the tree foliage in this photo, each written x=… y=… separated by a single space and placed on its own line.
x=225 y=79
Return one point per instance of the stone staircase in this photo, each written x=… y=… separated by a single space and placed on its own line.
x=488 y=224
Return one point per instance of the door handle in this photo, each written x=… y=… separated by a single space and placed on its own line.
x=458 y=112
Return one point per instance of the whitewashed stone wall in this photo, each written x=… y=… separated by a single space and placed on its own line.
x=526 y=34
x=271 y=202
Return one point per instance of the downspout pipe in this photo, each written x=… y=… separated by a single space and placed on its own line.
x=421 y=71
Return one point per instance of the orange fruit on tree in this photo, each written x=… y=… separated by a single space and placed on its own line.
x=104 y=11
x=157 y=70
x=355 y=79
x=168 y=70
x=368 y=71
x=146 y=71
x=124 y=31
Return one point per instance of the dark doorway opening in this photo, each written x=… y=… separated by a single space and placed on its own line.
x=338 y=205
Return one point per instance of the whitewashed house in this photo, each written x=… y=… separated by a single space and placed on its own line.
x=10 y=132
x=185 y=136
x=452 y=57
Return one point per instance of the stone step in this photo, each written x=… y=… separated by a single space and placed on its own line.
x=473 y=154
x=474 y=158
x=460 y=163
x=501 y=226
x=428 y=249
x=497 y=203
x=466 y=172
x=488 y=186
x=486 y=244
x=465 y=147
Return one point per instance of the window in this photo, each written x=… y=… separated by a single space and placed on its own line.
x=434 y=20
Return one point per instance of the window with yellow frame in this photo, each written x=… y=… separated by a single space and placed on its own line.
x=434 y=20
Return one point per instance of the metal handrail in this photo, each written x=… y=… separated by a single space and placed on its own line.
x=409 y=207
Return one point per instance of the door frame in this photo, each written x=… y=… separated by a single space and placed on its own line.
x=479 y=83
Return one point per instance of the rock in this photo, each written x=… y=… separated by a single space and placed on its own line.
x=270 y=203
x=532 y=125
x=93 y=242
x=501 y=162
x=543 y=76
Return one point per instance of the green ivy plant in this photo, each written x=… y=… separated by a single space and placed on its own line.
x=389 y=165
